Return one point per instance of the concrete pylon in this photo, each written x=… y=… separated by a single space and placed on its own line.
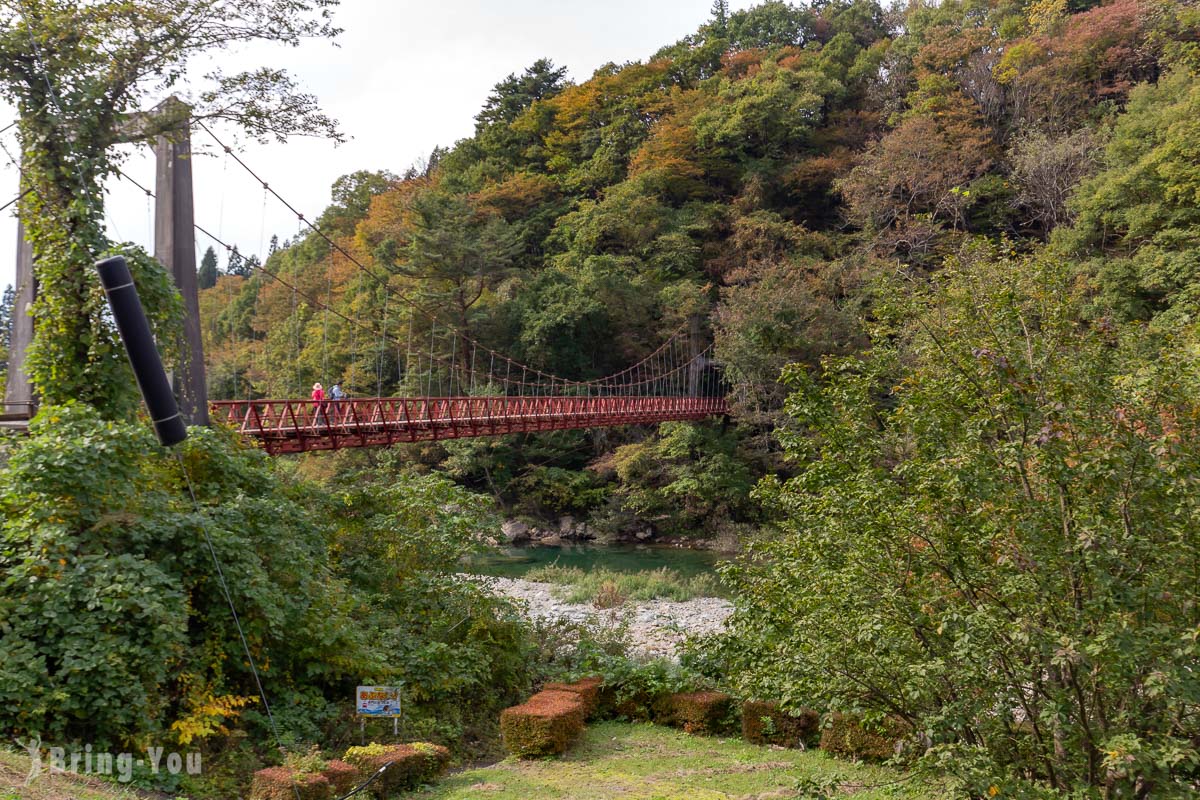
x=175 y=249
x=18 y=391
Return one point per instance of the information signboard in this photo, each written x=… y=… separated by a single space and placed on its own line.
x=378 y=701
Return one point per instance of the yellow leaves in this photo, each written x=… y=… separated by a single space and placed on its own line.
x=1046 y=15
x=993 y=790
x=207 y=712
x=1015 y=58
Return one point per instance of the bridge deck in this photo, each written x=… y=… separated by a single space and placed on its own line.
x=295 y=426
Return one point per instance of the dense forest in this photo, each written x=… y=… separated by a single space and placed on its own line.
x=948 y=256
x=770 y=172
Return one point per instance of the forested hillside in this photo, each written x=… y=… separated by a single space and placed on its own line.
x=763 y=172
x=949 y=256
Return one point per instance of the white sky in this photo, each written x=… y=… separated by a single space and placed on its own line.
x=407 y=76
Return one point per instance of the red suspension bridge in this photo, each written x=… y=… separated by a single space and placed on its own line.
x=453 y=402
x=454 y=388
x=295 y=426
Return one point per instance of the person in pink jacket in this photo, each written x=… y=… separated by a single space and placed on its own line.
x=318 y=398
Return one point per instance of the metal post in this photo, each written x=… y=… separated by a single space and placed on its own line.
x=18 y=391
x=175 y=249
x=695 y=364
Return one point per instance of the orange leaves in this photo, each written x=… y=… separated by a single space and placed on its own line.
x=516 y=195
x=390 y=215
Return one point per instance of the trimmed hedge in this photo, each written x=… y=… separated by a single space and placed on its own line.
x=846 y=736
x=588 y=689
x=705 y=713
x=342 y=776
x=412 y=764
x=545 y=724
x=280 y=783
x=766 y=723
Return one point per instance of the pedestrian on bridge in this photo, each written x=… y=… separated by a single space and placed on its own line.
x=318 y=398
x=337 y=395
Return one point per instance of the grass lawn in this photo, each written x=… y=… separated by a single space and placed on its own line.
x=576 y=585
x=14 y=769
x=621 y=760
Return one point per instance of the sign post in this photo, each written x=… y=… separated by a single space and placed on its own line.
x=380 y=702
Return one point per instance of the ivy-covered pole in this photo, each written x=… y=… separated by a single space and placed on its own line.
x=77 y=72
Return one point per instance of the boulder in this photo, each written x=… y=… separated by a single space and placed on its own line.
x=515 y=531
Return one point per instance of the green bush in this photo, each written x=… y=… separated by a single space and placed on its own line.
x=848 y=736
x=114 y=623
x=410 y=765
x=688 y=479
x=995 y=536
x=767 y=723
x=704 y=713
x=462 y=653
x=281 y=783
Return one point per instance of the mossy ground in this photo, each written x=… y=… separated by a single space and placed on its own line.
x=622 y=760
x=14 y=769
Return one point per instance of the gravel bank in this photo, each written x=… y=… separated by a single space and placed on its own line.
x=656 y=627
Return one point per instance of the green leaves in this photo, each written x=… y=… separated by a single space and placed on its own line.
x=988 y=537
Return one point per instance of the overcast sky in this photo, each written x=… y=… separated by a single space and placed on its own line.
x=407 y=76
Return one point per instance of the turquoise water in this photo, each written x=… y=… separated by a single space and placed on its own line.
x=514 y=562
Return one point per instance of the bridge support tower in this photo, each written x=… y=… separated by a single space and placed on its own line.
x=174 y=247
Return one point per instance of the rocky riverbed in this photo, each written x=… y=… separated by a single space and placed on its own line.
x=656 y=627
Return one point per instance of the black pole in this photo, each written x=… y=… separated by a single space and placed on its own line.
x=139 y=346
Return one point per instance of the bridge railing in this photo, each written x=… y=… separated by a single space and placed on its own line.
x=286 y=426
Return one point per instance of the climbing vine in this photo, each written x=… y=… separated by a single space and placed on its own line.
x=78 y=73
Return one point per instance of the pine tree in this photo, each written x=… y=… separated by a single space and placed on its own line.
x=237 y=264
x=206 y=276
x=720 y=16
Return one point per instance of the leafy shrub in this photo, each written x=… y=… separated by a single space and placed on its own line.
x=553 y=490
x=113 y=621
x=848 y=736
x=463 y=653
x=689 y=478
x=342 y=776
x=608 y=596
x=545 y=724
x=766 y=723
x=994 y=535
x=282 y=783
x=309 y=762
x=410 y=764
